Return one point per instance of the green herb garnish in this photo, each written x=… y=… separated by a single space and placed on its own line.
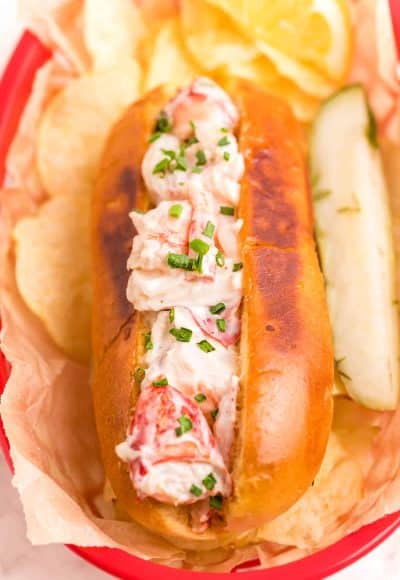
x=154 y=137
x=205 y=346
x=220 y=259
x=175 y=210
x=201 y=157
x=199 y=246
x=148 y=343
x=221 y=324
x=180 y=261
x=209 y=230
x=194 y=490
x=321 y=194
x=214 y=413
x=181 y=334
x=227 y=155
x=216 y=502
x=191 y=141
x=171 y=314
x=139 y=375
x=163 y=124
x=238 y=266
x=371 y=130
x=223 y=141
x=217 y=308
x=185 y=425
x=225 y=210
x=209 y=481
x=162 y=166
x=200 y=397
x=161 y=383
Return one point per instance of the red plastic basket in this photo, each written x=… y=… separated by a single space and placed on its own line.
x=15 y=88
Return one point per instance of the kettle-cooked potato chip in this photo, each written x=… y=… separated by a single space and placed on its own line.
x=112 y=30
x=337 y=488
x=263 y=72
x=169 y=61
x=212 y=37
x=75 y=126
x=52 y=271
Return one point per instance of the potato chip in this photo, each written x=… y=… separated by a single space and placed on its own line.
x=212 y=37
x=112 y=30
x=169 y=60
x=53 y=272
x=337 y=488
x=75 y=126
x=306 y=79
x=263 y=72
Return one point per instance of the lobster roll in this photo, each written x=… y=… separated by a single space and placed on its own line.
x=213 y=361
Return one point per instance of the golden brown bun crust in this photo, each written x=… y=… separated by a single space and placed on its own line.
x=119 y=189
x=287 y=360
x=287 y=353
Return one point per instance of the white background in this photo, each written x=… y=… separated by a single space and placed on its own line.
x=20 y=561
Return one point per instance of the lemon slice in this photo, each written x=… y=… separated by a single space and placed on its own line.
x=315 y=33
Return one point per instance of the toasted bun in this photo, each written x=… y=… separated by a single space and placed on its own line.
x=285 y=405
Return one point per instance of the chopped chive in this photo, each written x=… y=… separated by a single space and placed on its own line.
x=214 y=413
x=348 y=209
x=154 y=137
x=181 y=164
x=199 y=246
x=161 y=166
x=220 y=259
x=371 y=130
x=227 y=155
x=194 y=490
x=171 y=315
x=224 y=130
x=139 y=375
x=216 y=502
x=201 y=157
x=180 y=261
x=209 y=481
x=223 y=141
x=197 y=170
x=163 y=124
x=191 y=141
x=200 y=397
x=175 y=210
x=161 y=383
x=169 y=153
x=205 y=346
x=209 y=230
x=148 y=343
x=221 y=324
x=321 y=194
x=198 y=265
x=238 y=266
x=193 y=126
x=181 y=334
x=217 y=308
x=225 y=210
x=185 y=425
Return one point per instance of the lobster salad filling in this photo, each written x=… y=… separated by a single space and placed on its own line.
x=186 y=277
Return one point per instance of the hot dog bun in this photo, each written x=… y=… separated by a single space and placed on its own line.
x=285 y=406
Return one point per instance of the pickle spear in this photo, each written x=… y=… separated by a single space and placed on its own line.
x=354 y=236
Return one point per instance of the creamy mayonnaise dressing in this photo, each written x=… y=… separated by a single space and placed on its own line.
x=186 y=271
